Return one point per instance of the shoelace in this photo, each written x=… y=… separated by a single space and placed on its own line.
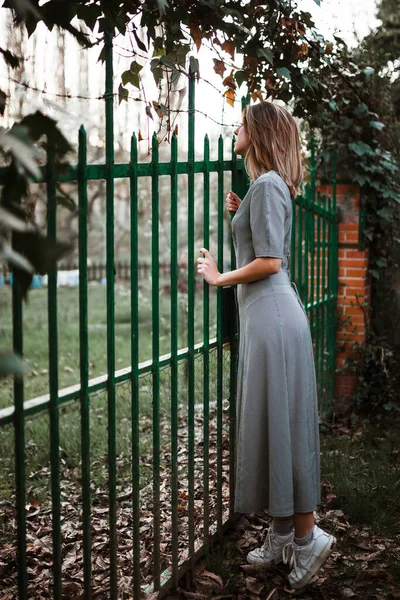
x=289 y=555
x=267 y=545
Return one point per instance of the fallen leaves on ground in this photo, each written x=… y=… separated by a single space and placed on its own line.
x=39 y=521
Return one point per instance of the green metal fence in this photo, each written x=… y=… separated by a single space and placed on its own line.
x=177 y=411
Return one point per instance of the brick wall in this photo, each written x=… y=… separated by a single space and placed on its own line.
x=353 y=291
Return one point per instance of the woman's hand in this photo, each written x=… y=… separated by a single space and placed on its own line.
x=207 y=268
x=232 y=202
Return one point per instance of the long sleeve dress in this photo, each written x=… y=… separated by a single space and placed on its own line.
x=277 y=450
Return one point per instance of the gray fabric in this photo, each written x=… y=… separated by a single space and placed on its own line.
x=283 y=527
x=304 y=541
x=277 y=450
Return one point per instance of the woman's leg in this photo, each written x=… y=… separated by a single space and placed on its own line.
x=303 y=524
x=283 y=525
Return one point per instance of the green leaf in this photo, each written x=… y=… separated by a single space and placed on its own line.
x=11 y=59
x=360 y=179
x=89 y=13
x=156 y=70
x=11 y=364
x=377 y=125
x=168 y=62
x=360 y=148
x=361 y=109
x=265 y=53
x=123 y=93
x=368 y=71
x=386 y=213
x=130 y=77
x=39 y=125
x=135 y=67
x=42 y=252
x=162 y=6
x=382 y=262
x=283 y=72
x=3 y=99
x=139 y=42
x=15 y=259
x=22 y=150
x=241 y=77
x=333 y=105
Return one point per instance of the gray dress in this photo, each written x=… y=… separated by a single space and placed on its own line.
x=277 y=451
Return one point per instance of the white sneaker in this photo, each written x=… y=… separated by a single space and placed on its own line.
x=307 y=560
x=271 y=550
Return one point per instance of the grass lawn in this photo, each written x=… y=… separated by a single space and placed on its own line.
x=36 y=332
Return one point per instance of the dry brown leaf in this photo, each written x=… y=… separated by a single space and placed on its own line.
x=230 y=97
x=219 y=67
x=196 y=34
x=255 y=586
x=208 y=581
x=69 y=560
x=229 y=47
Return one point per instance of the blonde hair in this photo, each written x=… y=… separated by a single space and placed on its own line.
x=274 y=144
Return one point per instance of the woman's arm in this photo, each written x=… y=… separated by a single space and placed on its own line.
x=258 y=269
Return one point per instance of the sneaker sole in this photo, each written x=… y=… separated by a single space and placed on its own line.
x=316 y=566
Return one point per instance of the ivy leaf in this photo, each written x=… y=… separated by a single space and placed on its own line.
x=333 y=105
x=230 y=97
x=129 y=77
x=283 y=72
x=229 y=47
x=148 y=112
x=139 y=42
x=377 y=125
x=386 y=213
x=132 y=75
x=360 y=179
x=156 y=70
x=11 y=59
x=3 y=98
x=122 y=93
x=219 y=67
x=382 y=262
x=360 y=109
x=162 y=6
x=241 y=77
x=360 y=148
x=197 y=35
x=264 y=52
x=168 y=62
x=89 y=13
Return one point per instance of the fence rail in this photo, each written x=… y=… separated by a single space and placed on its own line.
x=177 y=412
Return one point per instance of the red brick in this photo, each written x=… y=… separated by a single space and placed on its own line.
x=357 y=273
x=351 y=236
x=348 y=227
x=354 y=263
x=351 y=253
x=355 y=282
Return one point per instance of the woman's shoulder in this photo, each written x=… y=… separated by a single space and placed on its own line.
x=271 y=178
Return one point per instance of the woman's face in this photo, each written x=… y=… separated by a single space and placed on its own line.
x=242 y=140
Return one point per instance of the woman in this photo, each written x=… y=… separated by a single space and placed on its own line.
x=277 y=461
